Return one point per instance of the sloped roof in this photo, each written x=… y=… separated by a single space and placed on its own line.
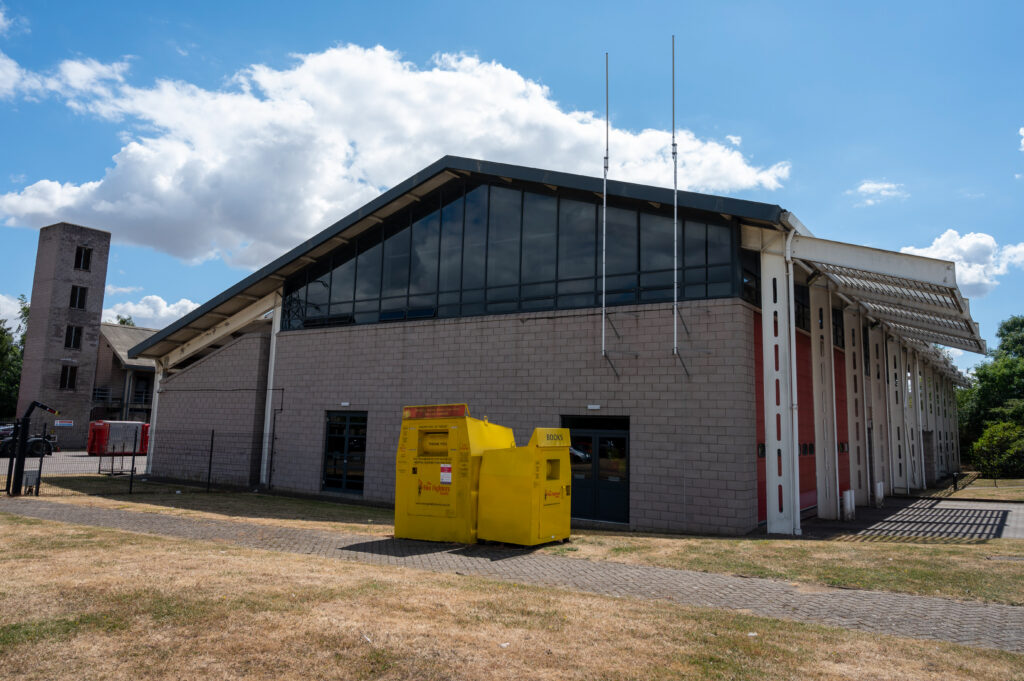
x=269 y=278
x=915 y=297
x=124 y=338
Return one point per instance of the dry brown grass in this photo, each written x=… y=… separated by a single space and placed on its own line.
x=264 y=509
x=924 y=566
x=994 y=490
x=971 y=571
x=86 y=603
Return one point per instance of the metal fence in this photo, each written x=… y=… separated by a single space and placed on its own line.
x=181 y=462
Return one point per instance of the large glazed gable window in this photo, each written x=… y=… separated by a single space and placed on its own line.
x=474 y=247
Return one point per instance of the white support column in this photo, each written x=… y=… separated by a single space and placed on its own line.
x=914 y=418
x=952 y=426
x=934 y=420
x=956 y=430
x=878 y=418
x=938 y=422
x=897 y=389
x=909 y=422
x=780 y=419
x=922 y=422
x=856 y=404
x=158 y=378
x=826 y=456
x=268 y=404
x=948 y=427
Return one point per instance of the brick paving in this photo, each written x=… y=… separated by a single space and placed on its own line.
x=971 y=623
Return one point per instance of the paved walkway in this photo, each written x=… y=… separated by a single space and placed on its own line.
x=928 y=518
x=980 y=624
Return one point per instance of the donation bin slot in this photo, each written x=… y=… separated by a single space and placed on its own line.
x=437 y=470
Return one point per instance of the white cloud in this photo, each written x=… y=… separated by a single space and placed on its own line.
x=9 y=24
x=872 y=192
x=734 y=140
x=249 y=171
x=980 y=261
x=1021 y=131
x=10 y=76
x=150 y=311
x=113 y=290
x=9 y=310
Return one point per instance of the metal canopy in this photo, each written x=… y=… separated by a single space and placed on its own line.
x=917 y=298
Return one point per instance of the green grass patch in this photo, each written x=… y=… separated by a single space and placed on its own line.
x=56 y=629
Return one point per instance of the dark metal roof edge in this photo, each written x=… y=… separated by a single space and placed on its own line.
x=752 y=210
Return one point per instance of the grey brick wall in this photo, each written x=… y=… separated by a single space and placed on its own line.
x=692 y=430
x=224 y=394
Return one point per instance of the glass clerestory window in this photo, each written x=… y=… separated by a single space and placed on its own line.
x=490 y=248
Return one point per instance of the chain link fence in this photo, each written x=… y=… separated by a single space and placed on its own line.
x=183 y=461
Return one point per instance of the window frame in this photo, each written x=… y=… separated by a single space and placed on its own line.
x=68 y=377
x=463 y=212
x=73 y=337
x=79 y=297
x=83 y=258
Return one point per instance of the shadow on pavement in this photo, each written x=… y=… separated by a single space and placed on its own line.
x=913 y=521
x=412 y=547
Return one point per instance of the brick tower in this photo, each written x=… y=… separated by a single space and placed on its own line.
x=64 y=326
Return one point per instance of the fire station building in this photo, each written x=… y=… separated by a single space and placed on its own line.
x=795 y=375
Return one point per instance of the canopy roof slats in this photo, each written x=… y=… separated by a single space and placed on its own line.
x=917 y=298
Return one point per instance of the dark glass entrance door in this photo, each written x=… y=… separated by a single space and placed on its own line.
x=345 y=451
x=600 y=475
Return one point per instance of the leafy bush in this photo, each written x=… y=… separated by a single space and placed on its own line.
x=999 y=452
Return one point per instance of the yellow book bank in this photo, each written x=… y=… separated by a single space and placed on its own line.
x=460 y=479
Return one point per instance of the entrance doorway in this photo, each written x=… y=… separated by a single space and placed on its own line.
x=344 y=452
x=600 y=467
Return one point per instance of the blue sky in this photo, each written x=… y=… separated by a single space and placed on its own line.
x=210 y=137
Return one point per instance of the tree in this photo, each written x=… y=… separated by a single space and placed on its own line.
x=1011 y=337
x=10 y=371
x=22 y=328
x=125 y=320
x=999 y=452
x=997 y=394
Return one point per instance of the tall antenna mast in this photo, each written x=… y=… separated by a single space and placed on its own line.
x=604 y=211
x=675 y=215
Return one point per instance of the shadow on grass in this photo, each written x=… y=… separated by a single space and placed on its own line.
x=194 y=497
x=102 y=485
